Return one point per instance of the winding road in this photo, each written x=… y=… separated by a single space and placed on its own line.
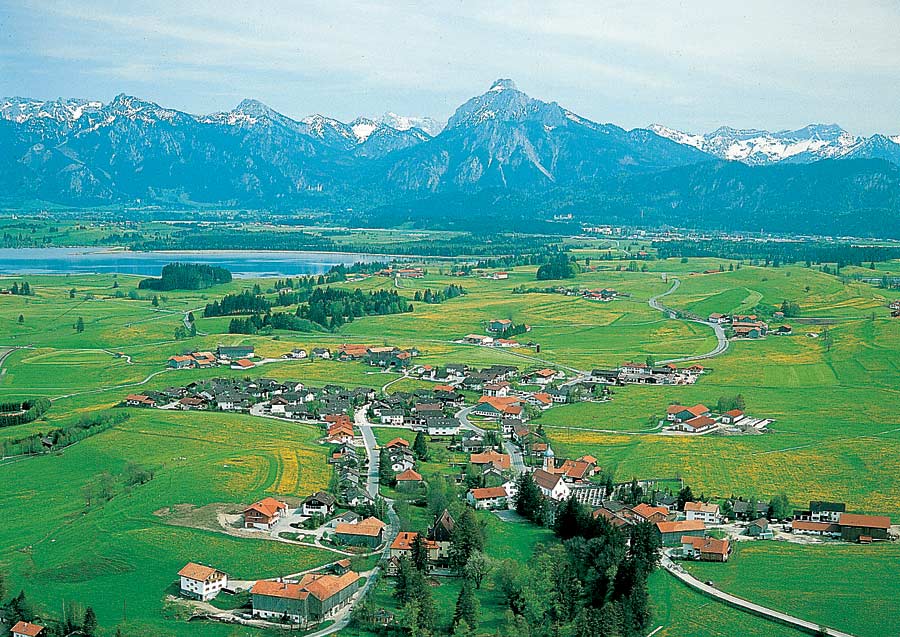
x=721 y=341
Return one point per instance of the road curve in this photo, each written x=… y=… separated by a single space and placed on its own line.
x=721 y=341
x=517 y=463
x=744 y=605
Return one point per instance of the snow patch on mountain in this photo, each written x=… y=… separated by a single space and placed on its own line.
x=404 y=123
x=362 y=128
x=751 y=146
x=22 y=110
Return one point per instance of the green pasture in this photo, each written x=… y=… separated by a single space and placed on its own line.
x=121 y=556
x=850 y=588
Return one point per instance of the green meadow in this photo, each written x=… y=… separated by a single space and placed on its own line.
x=835 y=435
x=851 y=588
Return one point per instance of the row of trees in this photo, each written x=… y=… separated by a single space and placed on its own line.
x=514 y=329
x=244 y=303
x=327 y=308
x=790 y=309
x=332 y=307
x=267 y=322
x=105 y=486
x=87 y=426
x=439 y=296
x=777 y=252
x=19 y=413
x=727 y=403
x=21 y=290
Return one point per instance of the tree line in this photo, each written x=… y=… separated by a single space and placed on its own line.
x=777 y=252
x=263 y=323
x=21 y=290
x=61 y=437
x=23 y=412
x=244 y=303
x=439 y=296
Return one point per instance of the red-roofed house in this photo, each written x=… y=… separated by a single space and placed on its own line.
x=201 y=582
x=680 y=413
x=649 y=513
x=705 y=549
x=409 y=480
x=696 y=425
x=864 y=528
x=671 y=533
x=806 y=527
x=26 y=629
x=264 y=514
x=705 y=511
x=490 y=458
x=732 y=416
x=489 y=498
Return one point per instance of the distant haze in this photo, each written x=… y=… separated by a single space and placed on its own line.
x=692 y=65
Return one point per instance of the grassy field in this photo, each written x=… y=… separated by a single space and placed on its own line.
x=851 y=588
x=835 y=435
x=122 y=553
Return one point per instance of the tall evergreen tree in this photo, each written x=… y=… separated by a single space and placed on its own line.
x=89 y=625
x=420 y=553
x=466 y=539
x=528 y=500
x=420 y=446
x=466 y=607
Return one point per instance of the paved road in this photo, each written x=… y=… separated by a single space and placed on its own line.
x=515 y=454
x=721 y=341
x=373 y=478
x=743 y=604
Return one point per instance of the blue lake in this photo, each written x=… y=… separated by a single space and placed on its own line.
x=241 y=263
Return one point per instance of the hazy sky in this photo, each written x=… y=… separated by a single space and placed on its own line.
x=690 y=65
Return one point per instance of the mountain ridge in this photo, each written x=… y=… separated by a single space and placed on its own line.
x=500 y=146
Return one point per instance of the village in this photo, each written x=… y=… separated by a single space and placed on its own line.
x=481 y=421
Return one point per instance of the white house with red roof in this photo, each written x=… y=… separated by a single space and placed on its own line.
x=26 y=629
x=201 y=582
x=488 y=498
x=704 y=511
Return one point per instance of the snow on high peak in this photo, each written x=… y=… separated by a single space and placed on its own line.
x=135 y=108
x=362 y=127
x=403 y=123
x=503 y=85
x=688 y=139
x=752 y=146
x=68 y=110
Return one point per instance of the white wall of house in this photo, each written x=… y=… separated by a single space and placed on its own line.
x=202 y=590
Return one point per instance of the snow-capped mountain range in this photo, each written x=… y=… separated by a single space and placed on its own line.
x=755 y=147
x=75 y=115
x=502 y=150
